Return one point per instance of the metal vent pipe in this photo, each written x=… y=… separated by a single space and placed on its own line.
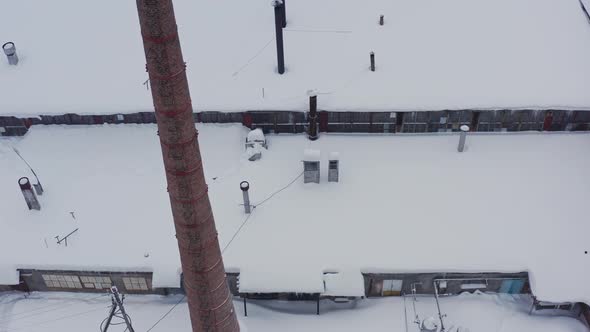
x=29 y=194
x=244 y=186
x=10 y=51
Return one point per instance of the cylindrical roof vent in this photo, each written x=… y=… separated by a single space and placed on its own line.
x=10 y=51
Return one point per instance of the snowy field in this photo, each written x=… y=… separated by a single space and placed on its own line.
x=510 y=203
x=430 y=55
x=66 y=312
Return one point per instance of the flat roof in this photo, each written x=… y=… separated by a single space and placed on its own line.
x=510 y=203
x=73 y=312
x=87 y=58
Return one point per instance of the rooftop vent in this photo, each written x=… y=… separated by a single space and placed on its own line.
x=10 y=51
x=311 y=166
x=29 y=194
x=333 y=167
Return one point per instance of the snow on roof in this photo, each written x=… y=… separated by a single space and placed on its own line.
x=511 y=203
x=255 y=135
x=344 y=283
x=111 y=179
x=437 y=55
x=8 y=275
x=73 y=312
x=299 y=278
x=311 y=155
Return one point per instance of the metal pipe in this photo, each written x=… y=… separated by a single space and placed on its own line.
x=440 y=315
x=29 y=194
x=318 y=305
x=469 y=279
x=416 y=317
x=405 y=313
x=313 y=108
x=65 y=238
x=462 y=138
x=10 y=51
x=205 y=282
x=244 y=186
x=278 y=4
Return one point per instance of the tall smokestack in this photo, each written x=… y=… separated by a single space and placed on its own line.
x=209 y=299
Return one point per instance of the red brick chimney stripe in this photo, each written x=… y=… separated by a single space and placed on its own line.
x=191 y=200
x=184 y=173
x=208 y=244
x=184 y=143
x=194 y=225
x=229 y=315
x=173 y=113
x=160 y=40
x=167 y=77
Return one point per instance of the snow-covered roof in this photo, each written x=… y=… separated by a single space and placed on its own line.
x=510 y=203
x=450 y=54
x=73 y=312
x=344 y=283
x=266 y=279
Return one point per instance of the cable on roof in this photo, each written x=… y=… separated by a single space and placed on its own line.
x=254 y=207
x=40 y=310
x=166 y=314
x=56 y=319
x=252 y=58
x=278 y=191
x=236 y=233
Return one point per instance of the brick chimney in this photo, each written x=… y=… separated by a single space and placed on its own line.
x=209 y=299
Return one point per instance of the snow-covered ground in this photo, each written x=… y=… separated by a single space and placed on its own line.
x=430 y=55
x=510 y=203
x=42 y=312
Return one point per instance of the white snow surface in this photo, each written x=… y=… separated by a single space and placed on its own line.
x=68 y=312
x=256 y=135
x=341 y=283
x=312 y=155
x=264 y=278
x=510 y=203
x=430 y=54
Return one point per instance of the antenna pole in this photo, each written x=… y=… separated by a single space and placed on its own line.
x=117 y=303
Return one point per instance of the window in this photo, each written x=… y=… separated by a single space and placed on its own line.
x=473 y=286
x=392 y=287
x=61 y=281
x=333 y=164
x=96 y=282
x=135 y=283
